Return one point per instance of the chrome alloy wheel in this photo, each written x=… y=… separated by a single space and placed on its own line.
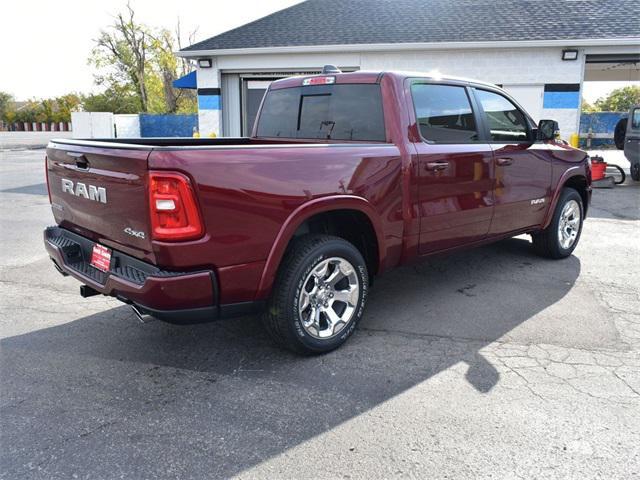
x=569 y=224
x=328 y=298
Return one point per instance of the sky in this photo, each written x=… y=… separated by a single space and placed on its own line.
x=591 y=91
x=44 y=44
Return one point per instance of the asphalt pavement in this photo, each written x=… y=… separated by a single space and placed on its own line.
x=489 y=363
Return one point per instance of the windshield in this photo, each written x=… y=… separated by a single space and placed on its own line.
x=329 y=112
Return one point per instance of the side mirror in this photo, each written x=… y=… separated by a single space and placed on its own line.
x=548 y=130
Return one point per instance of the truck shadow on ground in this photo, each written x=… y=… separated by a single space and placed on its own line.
x=220 y=398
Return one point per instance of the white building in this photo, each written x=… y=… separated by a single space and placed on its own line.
x=539 y=51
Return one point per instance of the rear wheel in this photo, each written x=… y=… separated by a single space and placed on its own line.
x=635 y=171
x=561 y=237
x=319 y=295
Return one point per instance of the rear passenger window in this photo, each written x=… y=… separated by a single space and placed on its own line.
x=506 y=123
x=444 y=113
x=327 y=112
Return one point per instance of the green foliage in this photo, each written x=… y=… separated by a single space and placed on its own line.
x=116 y=99
x=66 y=104
x=48 y=110
x=7 y=107
x=619 y=100
x=120 y=53
x=30 y=112
x=586 y=107
x=130 y=56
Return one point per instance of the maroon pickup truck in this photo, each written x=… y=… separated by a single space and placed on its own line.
x=346 y=175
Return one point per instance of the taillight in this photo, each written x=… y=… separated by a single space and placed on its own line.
x=174 y=211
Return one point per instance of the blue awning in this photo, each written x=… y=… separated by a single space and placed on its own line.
x=188 y=81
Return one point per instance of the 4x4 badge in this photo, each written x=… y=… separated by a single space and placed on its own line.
x=134 y=233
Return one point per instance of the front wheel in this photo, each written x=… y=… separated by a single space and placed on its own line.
x=319 y=295
x=561 y=237
x=635 y=171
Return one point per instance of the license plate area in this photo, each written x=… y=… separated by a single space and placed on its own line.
x=101 y=257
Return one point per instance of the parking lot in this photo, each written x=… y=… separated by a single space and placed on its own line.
x=489 y=363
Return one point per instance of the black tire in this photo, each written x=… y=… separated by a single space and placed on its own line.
x=635 y=171
x=283 y=320
x=619 y=133
x=546 y=243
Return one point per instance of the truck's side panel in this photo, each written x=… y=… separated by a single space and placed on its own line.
x=247 y=195
x=456 y=203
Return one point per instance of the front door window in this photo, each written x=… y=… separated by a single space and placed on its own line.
x=505 y=121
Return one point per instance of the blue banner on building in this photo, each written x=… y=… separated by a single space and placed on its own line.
x=561 y=95
x=209 y=99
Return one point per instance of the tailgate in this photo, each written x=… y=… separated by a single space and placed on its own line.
x=101 y=192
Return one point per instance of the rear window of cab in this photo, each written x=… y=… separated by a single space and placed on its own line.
x=324 y=112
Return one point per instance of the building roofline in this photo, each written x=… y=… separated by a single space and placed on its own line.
x=382 y=47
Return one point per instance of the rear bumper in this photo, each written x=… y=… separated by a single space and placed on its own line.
x=176 y=297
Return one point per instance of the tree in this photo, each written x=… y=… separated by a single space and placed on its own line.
x=7 y=106
x=619 y=100
x=136 y=60
x=586 y=107
x=171 y=68
x=66 y=104
x=116 y=99
x=124 y=47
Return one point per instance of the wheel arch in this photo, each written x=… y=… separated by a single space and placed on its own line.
x=315 y=209
x=573 y=178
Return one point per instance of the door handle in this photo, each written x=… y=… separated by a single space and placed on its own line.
x=503 y=162
x=436 y=166
x=81 y=160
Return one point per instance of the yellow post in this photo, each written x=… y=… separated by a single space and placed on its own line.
x=574 y=140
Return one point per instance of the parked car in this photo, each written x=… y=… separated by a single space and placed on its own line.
x=345 y=176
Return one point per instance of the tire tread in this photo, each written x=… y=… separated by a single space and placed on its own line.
x=545 y=242
x=274 y=319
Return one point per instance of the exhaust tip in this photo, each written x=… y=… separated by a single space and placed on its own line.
x=143 y=317
x=59 y=269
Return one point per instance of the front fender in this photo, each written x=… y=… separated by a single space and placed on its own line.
x=577 y=171
x=298 y=217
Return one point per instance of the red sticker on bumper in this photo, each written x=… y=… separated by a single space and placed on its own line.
x=101 y=257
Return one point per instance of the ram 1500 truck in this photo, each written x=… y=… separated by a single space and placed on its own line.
x=345 y=176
